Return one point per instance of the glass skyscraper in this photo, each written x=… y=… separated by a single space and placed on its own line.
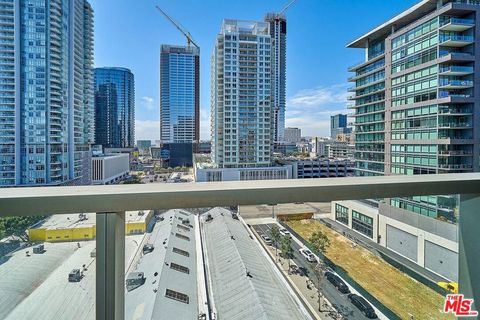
x=338 y=125
x=114 y=108
x=46 y=82
x=179 y=94
x=278 y=34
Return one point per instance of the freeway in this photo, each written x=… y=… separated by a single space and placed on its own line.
x=338 y=300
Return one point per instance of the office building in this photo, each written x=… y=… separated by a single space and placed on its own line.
x=47 y=93
x=179 y=94
x=241 y=113
x=114 y=107
x=278 y=34
x=108 y=169
x=338 y=125
x=293 y=135
x=415 y=108
x=174 y=154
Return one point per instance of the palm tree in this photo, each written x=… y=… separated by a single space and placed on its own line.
x=286 y=245
x=275 y=235
x=320 y=243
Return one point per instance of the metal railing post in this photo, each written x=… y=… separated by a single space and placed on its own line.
x=110 y=265
x=469 y=248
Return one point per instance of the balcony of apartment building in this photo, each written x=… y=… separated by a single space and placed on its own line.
x=456 y=24
x=111 y=203
x=455 y=39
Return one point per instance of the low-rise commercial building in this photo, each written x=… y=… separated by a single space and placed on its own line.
x=322 y=168
x=78 y=227
x=109 y=169
x=206 y=171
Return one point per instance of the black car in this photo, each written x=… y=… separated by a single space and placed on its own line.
x=147 y=248
x=363 y=306
x=337 y=282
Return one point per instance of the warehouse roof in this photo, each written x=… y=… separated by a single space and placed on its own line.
x=244 y=283
x=170 y=272
x=67 y=221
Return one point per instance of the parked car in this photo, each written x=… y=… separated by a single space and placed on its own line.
x=284 y=232
x=308 y=255
x=267 y=239
x=362 y=305
x=75 y=275
x=337 y=282
x=147 y=248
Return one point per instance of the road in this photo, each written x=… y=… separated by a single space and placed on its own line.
x=329 y=291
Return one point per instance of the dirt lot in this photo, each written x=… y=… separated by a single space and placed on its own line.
x=396 y=290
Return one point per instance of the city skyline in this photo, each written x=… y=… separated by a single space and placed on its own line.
x=307 y=89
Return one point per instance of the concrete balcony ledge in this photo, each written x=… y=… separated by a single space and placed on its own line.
x=114 y=198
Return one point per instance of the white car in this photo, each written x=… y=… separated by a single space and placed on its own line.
x=267 y=240
x=308 y=255
x=284 y=232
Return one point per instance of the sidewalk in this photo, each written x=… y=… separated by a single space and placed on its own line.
x=309 y=296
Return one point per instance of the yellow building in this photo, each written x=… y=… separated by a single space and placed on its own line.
x=75 y=227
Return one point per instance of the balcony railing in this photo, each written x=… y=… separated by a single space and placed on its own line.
x=111 y=202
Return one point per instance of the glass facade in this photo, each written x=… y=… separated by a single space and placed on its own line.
x=179 y=94
x=114 y=108
x=426 y=125
x=362 y=223
x=46 y=99
x=341 y=214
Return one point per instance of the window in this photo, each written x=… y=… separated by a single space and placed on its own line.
x=183 y=227
x=181 y=252
x=180 y=268
x=177 y=296
x=341 y=214
x=181 y=236
x=362 y=223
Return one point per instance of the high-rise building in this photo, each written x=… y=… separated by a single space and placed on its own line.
x=278 y=34
x=293 y=135
x=416 y=109
x=179 y=94
x=241 y=119
x=338 y=125
x=114 y=108
x=46 y=90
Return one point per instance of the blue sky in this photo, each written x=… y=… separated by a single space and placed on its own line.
x=128 y=33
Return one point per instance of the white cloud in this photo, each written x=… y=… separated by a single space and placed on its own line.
x=147 y=130
x=310 y=109
x=148 y=103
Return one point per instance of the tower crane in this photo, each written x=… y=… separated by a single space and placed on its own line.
x=287 y=6
x=180 y=28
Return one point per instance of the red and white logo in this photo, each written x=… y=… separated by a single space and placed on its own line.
x=459 y=306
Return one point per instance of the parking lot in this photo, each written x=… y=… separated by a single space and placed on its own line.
x=338 y=300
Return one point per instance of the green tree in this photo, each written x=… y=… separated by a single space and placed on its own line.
x=286 y=247
x=17 y=226
x=320 y=242
x=275 y=235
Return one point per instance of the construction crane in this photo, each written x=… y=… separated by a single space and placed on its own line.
x=287 y=6
x=180 y=28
